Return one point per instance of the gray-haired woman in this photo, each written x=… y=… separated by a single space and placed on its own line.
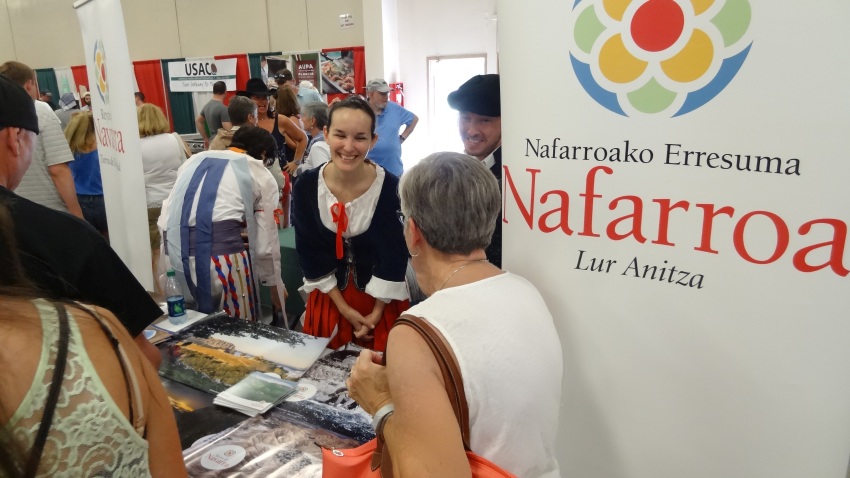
x=495 y=323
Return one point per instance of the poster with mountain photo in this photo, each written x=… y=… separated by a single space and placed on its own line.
x=217 y=353
x=322 y=399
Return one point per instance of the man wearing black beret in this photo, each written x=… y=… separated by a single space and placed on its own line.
x=480 y=124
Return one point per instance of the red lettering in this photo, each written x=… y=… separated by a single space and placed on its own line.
x=588 y=196
x=836 y=256
x=664 y=219
x=564 y=209
x=527 y=212
x=782 y=237
x=631 y=224
x=708 y=215
x=636 y=216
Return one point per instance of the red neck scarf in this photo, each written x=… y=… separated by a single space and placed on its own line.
x=340 y=217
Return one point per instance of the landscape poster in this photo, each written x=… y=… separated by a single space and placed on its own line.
x=215 y=354
x=322 y=399
x=263 y=446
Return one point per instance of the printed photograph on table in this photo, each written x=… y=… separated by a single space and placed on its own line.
x=255 y=394
x=269 y=445
x=216 y=354
x=322 y=400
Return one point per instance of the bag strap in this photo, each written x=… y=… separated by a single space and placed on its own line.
x=448 y=367
x=131 y=382
x=53 y=395
x=181 y=146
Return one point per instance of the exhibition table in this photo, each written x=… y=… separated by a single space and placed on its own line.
x=214 y=353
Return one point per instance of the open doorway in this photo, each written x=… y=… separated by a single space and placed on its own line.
x=446 y=74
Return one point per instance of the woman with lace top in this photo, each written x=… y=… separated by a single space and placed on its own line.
x=348 y=237
x=84 y=403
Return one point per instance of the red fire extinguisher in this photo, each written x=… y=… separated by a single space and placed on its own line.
x=397 y=93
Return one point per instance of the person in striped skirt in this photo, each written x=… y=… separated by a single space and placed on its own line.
x=219 y=198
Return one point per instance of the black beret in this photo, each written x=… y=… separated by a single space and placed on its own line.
x=479 y=95
x=17 y=108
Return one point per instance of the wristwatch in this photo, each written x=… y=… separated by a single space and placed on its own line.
x=402 y=138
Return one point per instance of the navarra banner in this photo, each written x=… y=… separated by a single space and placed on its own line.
x=682 y=203
x=201 y=74
x=111 y=77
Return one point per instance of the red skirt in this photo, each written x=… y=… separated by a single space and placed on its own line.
x=322 y=316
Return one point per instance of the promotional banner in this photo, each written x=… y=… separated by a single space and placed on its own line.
x=305 y=70
x=682 y=204
x=113 y=106
x=338 y=71
x=201 y=74
x=303 y=66
x=65 y=80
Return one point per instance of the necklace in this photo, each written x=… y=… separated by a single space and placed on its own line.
x=458 y=270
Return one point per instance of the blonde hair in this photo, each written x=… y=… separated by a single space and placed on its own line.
x=80 y=132
x=152 y=120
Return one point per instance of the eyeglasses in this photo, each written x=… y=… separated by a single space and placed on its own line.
x=402 y=218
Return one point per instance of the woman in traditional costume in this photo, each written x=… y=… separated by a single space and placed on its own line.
x=348 y=237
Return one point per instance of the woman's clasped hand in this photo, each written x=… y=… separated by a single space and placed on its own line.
x=367 y=383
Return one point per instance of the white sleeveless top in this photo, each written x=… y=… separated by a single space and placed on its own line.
x=90 y=435
x=510 y=357
x=162 y=154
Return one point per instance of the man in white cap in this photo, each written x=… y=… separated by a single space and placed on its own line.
x=86 y=101
x=391 y=116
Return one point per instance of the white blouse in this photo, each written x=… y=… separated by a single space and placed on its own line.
x=360 y=212
x=162 y=155
x=228 y=206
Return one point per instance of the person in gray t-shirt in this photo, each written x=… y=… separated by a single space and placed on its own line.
x=214 y=115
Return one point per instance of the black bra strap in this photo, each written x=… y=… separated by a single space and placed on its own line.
x=53 y=396
x=116 y=346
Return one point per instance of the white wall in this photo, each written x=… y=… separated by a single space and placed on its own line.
x=152 y=31
x=46 y=34
x=323 y=21
x=436 y=28
x=7 y=49
x=288 y=29
x=373 y=38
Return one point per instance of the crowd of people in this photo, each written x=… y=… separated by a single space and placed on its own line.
x=367 y=233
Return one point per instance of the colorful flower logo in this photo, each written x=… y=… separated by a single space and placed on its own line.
x=658 y=57
x=100 y=71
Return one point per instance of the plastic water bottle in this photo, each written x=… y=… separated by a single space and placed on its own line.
x=174 y=298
